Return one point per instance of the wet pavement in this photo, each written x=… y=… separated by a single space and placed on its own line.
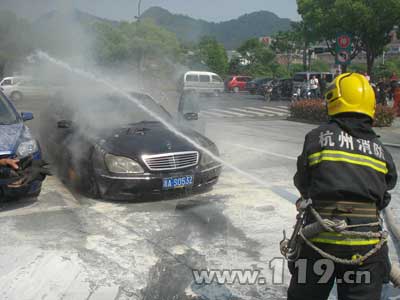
x=66 y=246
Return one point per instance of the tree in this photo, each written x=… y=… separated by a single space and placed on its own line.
x=287 y=43
x=213 y=54
x=140 y=45
x=368 y=21
x=257 y=60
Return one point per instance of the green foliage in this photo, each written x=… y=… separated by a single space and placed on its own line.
x=320 y=66
x=314 y=111
x=213 y=54
x=257 y=60
x=368 y=21
x=358 y=68
x=385 y=70
x=230 y=33
x=143 y=44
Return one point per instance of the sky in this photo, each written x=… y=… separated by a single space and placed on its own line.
x=210 y=10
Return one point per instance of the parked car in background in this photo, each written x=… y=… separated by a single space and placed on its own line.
x=255 y=86
x=110 y=148
x=202 y=82
x=237 y=83
x=29 y=88
x=12 y=80
x=16 y=141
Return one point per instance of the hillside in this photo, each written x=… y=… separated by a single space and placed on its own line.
x=231 y=33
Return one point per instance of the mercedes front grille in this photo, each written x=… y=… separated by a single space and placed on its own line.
x=171 y=161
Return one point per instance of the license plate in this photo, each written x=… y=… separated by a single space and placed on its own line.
x=177 y=182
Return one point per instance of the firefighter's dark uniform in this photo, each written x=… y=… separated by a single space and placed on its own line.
x=347 y=173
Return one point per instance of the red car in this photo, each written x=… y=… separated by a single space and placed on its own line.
x=237 y=83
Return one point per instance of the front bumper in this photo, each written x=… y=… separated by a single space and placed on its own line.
x=117 y=187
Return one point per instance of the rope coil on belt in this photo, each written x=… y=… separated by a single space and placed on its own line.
x=340 y=226
x=290 y=249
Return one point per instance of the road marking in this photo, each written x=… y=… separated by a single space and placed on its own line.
x=248 y=111
x=212 y=114
x=270 y=112
x=284 y=107
x=276 y=109
x=263 y=151
x=228 y=112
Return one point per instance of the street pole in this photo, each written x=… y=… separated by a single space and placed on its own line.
x=139 y=10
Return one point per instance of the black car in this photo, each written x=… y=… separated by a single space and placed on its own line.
x=278 y=89
x=110 y=148
x=255 y=86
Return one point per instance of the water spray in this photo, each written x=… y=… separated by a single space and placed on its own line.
x=108 y=83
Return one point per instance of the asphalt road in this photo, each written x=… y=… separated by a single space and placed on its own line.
x=65 y=246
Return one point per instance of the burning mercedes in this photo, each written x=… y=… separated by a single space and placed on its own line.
x=109 y=147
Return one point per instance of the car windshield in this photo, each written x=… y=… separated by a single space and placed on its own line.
x=119 y=111
x=7 y=113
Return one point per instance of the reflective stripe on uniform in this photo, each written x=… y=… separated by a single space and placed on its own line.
x=342 y=156
x=339 y=239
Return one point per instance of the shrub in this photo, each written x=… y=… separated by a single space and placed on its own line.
x=315 y=111
x=309 y=110
x=384 y=116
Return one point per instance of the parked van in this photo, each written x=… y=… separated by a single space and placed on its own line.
x=11 y=80
x=202 y=82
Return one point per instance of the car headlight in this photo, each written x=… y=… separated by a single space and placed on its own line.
x=27 y=148
x=122 y=165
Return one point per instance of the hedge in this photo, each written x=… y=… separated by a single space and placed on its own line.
x=314 y=111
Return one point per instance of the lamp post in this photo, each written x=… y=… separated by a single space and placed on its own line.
x=139 y=10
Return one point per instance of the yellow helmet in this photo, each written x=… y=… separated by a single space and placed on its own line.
x=350 y=92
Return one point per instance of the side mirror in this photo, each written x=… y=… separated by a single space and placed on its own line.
x=27 y=116
x=64 y=124
x=191 y=116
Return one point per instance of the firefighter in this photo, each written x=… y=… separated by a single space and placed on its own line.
x=346 y=172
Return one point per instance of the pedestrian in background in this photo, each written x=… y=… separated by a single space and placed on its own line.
x=314 y=86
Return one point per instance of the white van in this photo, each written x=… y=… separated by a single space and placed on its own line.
x=12 y=80
x=202 y=82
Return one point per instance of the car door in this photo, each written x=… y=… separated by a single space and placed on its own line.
x=189 y=112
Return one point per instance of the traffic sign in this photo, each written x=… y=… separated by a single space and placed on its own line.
x=343 y=48
x=343 y=56
x=344 y=41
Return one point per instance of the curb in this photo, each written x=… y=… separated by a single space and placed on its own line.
x=392 y=145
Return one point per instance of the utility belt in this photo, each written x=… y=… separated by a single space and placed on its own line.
x=336 y=231
x=354 y=213
x=347 y=209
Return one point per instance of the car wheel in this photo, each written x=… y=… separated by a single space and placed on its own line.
x=16 y=96
x=236 y=89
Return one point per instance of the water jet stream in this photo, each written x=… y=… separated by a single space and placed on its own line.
x=46 y=57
